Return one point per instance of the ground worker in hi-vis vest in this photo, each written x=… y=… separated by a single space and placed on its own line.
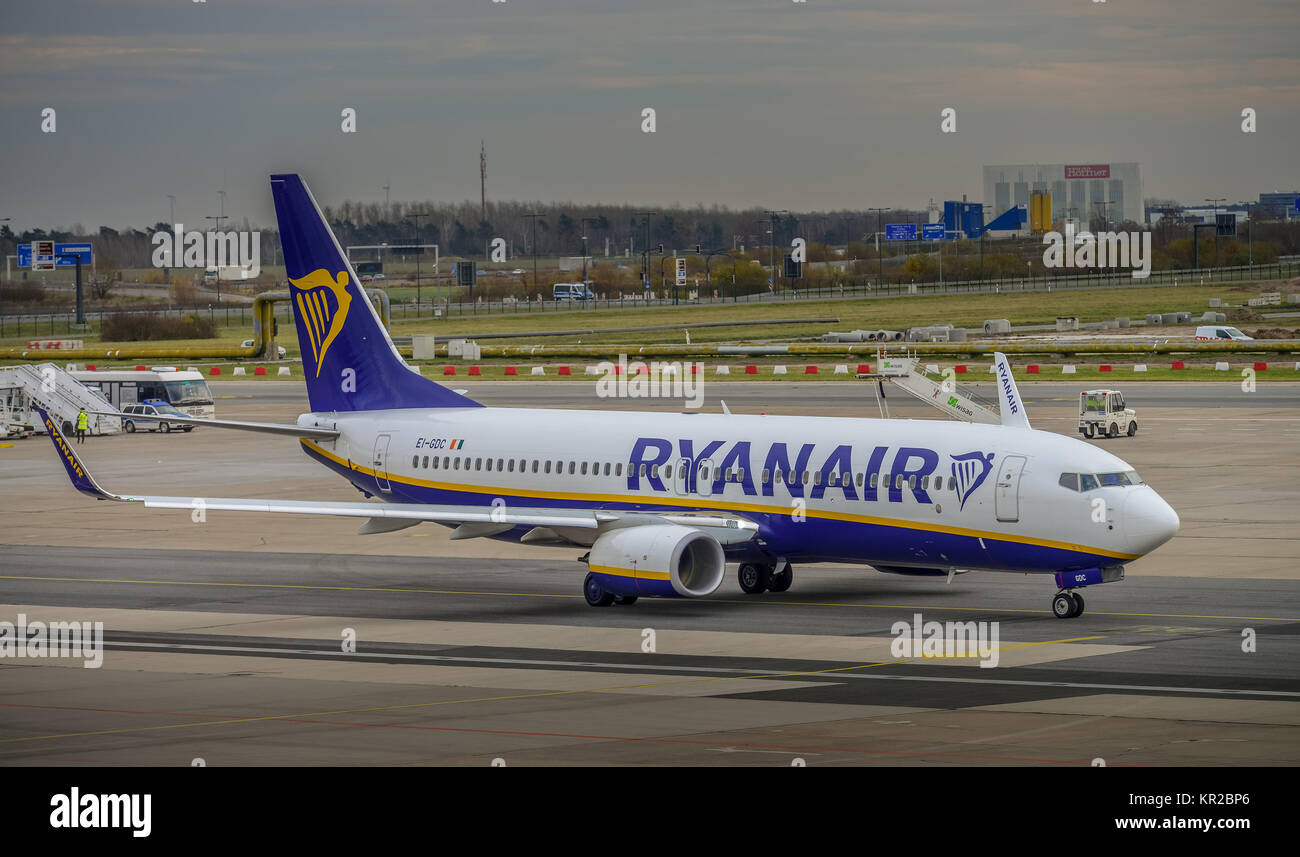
x=83 y=423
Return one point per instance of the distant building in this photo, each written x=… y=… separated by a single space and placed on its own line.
x=1082 y=191
x=1274 y=205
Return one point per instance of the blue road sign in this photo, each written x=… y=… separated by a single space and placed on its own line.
x=900 y=231
x=85 y=251
x=932 y=232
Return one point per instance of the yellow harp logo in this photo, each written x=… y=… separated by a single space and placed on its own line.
x=323 y=306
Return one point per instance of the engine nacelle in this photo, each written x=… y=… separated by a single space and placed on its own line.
x=667 y=560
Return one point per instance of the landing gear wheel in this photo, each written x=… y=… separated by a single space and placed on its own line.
x=1089 y=432
x=1078 y=603
x=625 y=599
x=164 y=428
x=782 y=580
x=1063 y=605
x=753 y=578
x=1114 y=430
x=595 y=593
x=130 y=428
x=1132 y=428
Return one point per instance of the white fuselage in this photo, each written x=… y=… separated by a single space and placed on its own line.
x=896 y=493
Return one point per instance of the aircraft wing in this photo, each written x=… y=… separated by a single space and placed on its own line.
x=385 y=517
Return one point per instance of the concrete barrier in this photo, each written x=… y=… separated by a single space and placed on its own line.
x=997 y=325
x=841 y=369
x=1220 y=367
x=1140 y=367
x=778 y=370
x=1169 y=318
x=538 y=370
x=284 y=370
x=239 y=370
x=722 y=370
x=1067 y=369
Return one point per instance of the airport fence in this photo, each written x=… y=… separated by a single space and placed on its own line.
x=38 y=325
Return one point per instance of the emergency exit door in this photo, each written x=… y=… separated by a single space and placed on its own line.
x=1007 y=502
x=381 y=463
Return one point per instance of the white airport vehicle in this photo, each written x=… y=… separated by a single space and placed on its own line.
x=660 y=502
x=1220 y=331
x=280 y=350
x=26 y=389
x=1102 y=412
x=572 y=292
x=184 y=390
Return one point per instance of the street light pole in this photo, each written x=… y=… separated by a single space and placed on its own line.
x=534 y=216
x=417 y=215
x=218 y=218
x=583 y=226
x=1250 y=235
x=771 y=216
x=645 y=251
x=880 y=259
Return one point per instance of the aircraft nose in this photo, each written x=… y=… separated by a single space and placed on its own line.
x=1149 y=521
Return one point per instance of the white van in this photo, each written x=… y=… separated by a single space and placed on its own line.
x=1219 y=331
x=572 y=292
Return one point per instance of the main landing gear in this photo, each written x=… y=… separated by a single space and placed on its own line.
x=755 y=578
x=1067 y=604
x=597 y=596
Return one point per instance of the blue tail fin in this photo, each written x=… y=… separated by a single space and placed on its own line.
x=348 y=359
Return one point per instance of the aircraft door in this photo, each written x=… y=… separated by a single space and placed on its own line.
x=681 y=477
x=704 y=478
x=381 y=463
x=1007 y=501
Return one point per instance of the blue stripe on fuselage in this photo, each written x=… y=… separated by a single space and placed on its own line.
x=812 y=539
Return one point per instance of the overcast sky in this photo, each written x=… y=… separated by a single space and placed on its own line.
x=826 y=104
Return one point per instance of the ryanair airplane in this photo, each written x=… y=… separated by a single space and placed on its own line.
x=662 y=502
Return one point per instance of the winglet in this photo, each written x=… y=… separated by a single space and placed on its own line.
x=77 y=472
x=1011 y=407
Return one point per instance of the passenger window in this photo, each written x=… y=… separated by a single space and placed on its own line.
x=741 y=473
x=426 y=462
x=548 y=465
x=618 y=469
x=874 y=480
x=446 y=462
x=572 y=467
x=534 y=465
x=911 y=482
x=606 y=468
x=415 y=461
x=817 y=477
x=1087 y=482
x=952 y=483
x=859 y=479
x=584 y=468
x=1070 y=480
x=654 y=471
x=767 y=474
x=511 y=468
x=898 y=481
x=805 y=477
x=643 y=470
x=499 y=463
x=489 y=464
x=478 y=464
x=925 y=482
x=455 y=463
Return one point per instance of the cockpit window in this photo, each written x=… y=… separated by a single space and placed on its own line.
x=1087 y=482
x=1112 y=478
x=1070 y=480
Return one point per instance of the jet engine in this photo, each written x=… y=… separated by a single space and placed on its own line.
x=666 y=560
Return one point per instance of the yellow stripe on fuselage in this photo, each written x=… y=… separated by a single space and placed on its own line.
x=723 y=505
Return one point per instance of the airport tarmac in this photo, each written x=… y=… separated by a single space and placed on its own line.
x=225 y=637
